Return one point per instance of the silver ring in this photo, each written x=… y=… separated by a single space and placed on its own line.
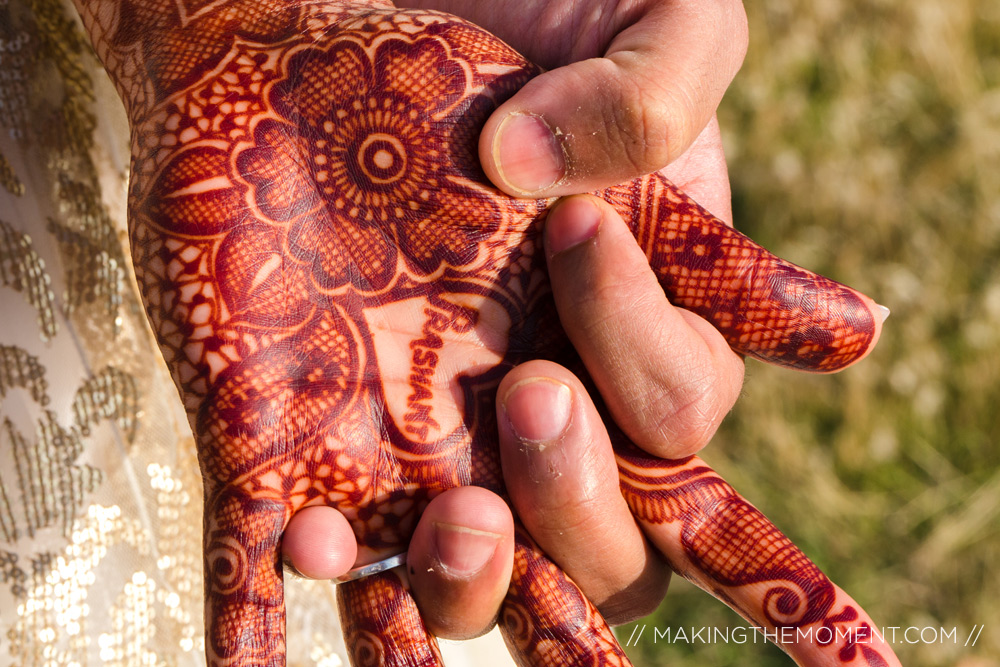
x=371 y=568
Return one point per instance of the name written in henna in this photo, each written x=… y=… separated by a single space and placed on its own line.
x=424 y=361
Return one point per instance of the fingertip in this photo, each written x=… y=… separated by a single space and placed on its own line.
x=319 y=543
x=560 y=470
x=880 y=314
x=473 y=507
x=463 y=552
x=858 y=320
x=468 y=526
x=877 y=314
x=539 y=409
x=460 y=561
x=538 y=406
x=572 y=221
x=573 y=129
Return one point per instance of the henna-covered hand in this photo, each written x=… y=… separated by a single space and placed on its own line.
x=338 y=291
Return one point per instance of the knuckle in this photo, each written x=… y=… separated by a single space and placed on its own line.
x=639 y=117
x=566 y=516
x=643 y=128
x=678 y=420
x=740 y=41
x=628 y=298
x=606 y=311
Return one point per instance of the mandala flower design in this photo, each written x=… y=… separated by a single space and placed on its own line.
x=364 y=163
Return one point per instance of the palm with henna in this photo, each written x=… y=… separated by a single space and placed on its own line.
x=338 y=291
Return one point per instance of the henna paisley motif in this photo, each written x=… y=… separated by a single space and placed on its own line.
x=227 y=561
x=338 y=291
x=714 y=537
x=785 y=606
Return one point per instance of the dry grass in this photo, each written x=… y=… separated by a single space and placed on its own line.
x=864 y=142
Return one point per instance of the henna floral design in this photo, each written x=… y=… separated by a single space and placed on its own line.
x=338 y=291
x=378 y=160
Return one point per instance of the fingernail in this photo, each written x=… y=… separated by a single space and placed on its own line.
x=885 y=312
x=570 y=223
x=539 y=410
x=464 y=551
x=527 y=153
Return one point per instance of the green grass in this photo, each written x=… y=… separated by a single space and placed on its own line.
x=864 y=143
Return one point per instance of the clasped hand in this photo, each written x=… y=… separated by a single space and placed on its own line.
x=673 y=379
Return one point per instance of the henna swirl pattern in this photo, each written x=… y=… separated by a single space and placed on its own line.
x=338 y=290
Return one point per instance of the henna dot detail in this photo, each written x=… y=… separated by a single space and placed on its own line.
x=382 y=158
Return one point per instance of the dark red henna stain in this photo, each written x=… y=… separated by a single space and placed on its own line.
x=337 y=291
x=765 y=307
x=546 y=619
x=730 y=541
x=382 y=625
x=728 y=546
x=424 y=361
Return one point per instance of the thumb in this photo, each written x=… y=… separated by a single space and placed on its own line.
x=602 y=121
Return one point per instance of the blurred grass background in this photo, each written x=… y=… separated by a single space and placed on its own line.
x=864 y=143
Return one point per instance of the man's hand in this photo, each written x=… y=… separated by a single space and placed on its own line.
x=630 y=86
x=607 y=58
x=459 y=558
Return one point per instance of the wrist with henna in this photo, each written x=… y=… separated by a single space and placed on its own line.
x=338 y=290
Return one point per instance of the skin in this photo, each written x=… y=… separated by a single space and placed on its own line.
x=630 y=86
x=338 y=294
x=625 y=582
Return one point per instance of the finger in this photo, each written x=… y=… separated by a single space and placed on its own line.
x=601 y=121
x=546 y=619
x=382 y=625
x=715 y=538
x=614 y=310
x=764 y=306
x=562 y=478
x=460 y=560
x=319 y=544
x=244 y=592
